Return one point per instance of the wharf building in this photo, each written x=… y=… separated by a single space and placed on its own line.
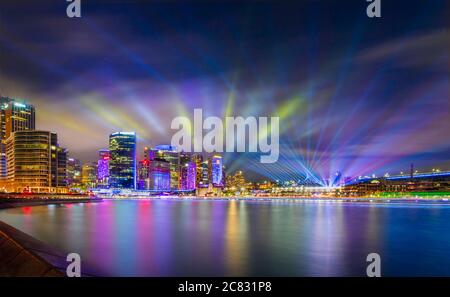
x=35 y=163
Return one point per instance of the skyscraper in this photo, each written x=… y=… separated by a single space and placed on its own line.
x=159 y=175
x=14 y=116
x=197 y=159
x=122 y=164
x=184 y=160
x=171 y=155
x=216 y=171
x=89 y=175
x=36 y=163
x=103 y=168
x=73 y=172
x=143 y=173
x=188 y=174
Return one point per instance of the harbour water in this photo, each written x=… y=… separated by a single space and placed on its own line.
x=163 y=237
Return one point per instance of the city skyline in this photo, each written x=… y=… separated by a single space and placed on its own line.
x=376 y=102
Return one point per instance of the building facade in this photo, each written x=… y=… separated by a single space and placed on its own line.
x=143 y=172
x=122 y=163
x=216 y=171
x=171 y=155
x=188 y=174
x=73 y=172
x=14 y=116
x=159 y=175
x=89 y=175
x=197 y=159
x=35 y=162
x=103 y=168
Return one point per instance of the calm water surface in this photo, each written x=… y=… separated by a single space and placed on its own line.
x=245 y=238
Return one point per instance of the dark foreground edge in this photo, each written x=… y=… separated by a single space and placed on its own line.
x=279 y=286
x=23 y=255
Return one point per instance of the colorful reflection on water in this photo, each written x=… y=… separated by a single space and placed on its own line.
x=245 y=238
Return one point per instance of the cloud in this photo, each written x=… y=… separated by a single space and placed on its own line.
x=410 y=52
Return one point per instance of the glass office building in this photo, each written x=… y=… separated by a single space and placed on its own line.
x=36 y=163
x=14 y=116
x=122 y=163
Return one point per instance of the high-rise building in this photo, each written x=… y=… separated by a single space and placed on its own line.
x=198 y=160
x=188 y=174
x=204 y=175
x=122 y=164
x=159 y=175
x=73 y=172
x=35 y=162
x=171 y=155
x=183 y=160
x=143 y=175
x=103 y=168
x=60 y=166
x=89 y=175
x=14 y=116
x=215 y=169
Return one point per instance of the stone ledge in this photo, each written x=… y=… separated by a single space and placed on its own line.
x=24 y=255
x=18 y=255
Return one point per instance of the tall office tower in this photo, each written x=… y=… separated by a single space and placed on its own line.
x=159 y=175
x=171 y=155
x=61 y=167
x=198 y=160
x=103 y=168
x=89 y=175
x=204 y=175
x=224 y=177
x=122 y=163
x=14 y=116
x=143 y=174
x=35 y=162
x=184 y=159
x=73 y=172
x=215 y=170
x=188 y=174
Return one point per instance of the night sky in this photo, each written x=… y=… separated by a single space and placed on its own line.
x=353 y=94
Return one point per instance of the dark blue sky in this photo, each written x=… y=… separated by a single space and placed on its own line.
x=354 y=94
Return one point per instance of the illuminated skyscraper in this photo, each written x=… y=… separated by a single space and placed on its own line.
x=89 y=175
x=103 y=168
x=198 y=160
x=216 y=171
x=159 y=175
x=122 y=164
x=14 y=116
x=204 y=175
x=171 y=155
x=188 y=176
x=73 y=172
x=184 y=160
x=143 y=174
x=35 y=162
